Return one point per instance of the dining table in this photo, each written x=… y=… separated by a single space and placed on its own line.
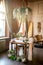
x=23 y=41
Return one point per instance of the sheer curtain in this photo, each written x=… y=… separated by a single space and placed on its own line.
x=8 y=15
x=22 y=29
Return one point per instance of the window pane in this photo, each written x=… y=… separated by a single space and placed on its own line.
x=2 y=28
x=2 y=6
x=2 y=15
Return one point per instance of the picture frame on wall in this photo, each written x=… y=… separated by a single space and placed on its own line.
x=39 y=27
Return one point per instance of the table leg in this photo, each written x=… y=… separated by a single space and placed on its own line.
x=10 y=46
x=30 y=51
x=16 y=49
x=25 y=50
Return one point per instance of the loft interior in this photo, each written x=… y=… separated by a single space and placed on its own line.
x=21 y=32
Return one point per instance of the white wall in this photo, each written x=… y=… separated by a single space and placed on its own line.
x=37 y=15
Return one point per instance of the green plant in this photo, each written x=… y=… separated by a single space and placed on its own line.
x=19 y=59
x=22 y=10
x=13 y=57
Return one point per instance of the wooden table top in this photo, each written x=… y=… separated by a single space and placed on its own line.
x=18 y=41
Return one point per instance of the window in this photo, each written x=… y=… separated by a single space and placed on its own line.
x=2 y=19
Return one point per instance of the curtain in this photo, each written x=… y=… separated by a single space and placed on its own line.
x=22 y=29
x=8 y=15
x=30 y=29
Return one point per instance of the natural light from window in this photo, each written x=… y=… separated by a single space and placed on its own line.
x=2 y=19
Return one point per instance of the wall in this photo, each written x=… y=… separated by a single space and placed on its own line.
x=2 y=45
x=37 y=15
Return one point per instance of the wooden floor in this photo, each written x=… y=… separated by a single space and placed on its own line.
x=4 y=60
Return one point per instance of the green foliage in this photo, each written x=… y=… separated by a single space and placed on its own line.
x=29 y=9
x=13 y=57
x=12 y=51
x=19 y=59
x=22 y=10
x=19 y=35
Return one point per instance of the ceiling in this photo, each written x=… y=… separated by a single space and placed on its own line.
x=33 y=0
x=26 y=0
